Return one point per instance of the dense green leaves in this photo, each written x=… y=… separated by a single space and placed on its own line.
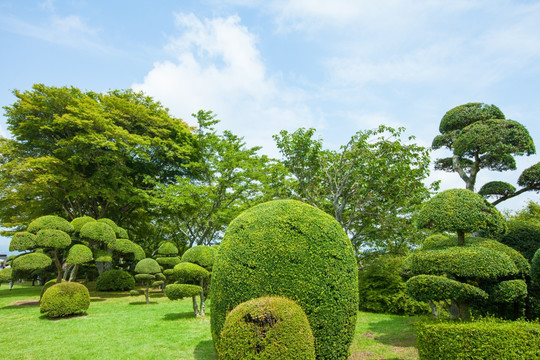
x=187 y=272
x=64 y=299
x=22 y=241
x=201 y=255
x=523 y=236
x=79 y=254
x=31 y=262
x=180 y=291
x=433 y=287
x=147 y=266
x=50 y=222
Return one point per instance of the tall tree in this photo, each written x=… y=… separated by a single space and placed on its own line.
x=370 y=185
x=480 y=137
x=76 y=153
x=230 y=178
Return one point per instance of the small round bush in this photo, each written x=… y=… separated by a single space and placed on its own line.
x=31 y=262
x=50 y=222
x=291 y=249
x=79 y=254
x=136 y=292
x=79 y=222
x=180 y=291
x=51 y=238
x=6 y=275
x=22 y=241
x=523 y=236
x=269 y=328
x=115 y=280
x=167 y=249
x=64 y=299
x=123 y=246
x=147 y=266
x=47 y=285
x=509 y=291
x=98 y=232
x=200 y=255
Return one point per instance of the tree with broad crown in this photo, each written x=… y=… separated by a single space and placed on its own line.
x=480 y=137
x=148 y=272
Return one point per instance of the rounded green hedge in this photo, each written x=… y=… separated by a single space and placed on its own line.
x=50 y=222
x=464 y=262
x=51 y=238
x=31 y=262
x=201 y=255
x=523 y=236
x=22 y=241
x=180 y=291
x=167 y=249
x=98 y=232
x=115 y=280
x=433 y=287
x=123 y=246
x=291 y=249
x=509 y=291
x=47 y=285
x=189 y=272
x=79 y=254
x=147 y=266
x=63 y=299
x=267 y=328
x=168 y=262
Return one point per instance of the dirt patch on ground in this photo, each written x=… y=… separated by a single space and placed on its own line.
x=369 y=335
x=29 y=302
x=361 y=355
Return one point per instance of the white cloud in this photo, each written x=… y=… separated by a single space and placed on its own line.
x=218 y=67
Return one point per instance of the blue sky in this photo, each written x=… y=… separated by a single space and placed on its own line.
x=339 y=66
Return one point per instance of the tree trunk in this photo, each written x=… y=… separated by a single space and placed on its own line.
x=58 y=267
x=146 y=293
x=100 y=267
x=459 y=310
x=73 y=276
x=433 y=307
x=195 y=306
x=461 y=238
x=68 y=269
x=203 y=306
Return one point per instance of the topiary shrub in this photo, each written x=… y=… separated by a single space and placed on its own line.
x=64 y=299
x=22 y=241
x=51 y=238
x=50 y=222
x=148 y=271
x=523 y=236
x=31 y=262
x=180 y=291
x=291 y=249
x=98 y=232
x=190 y=277
x=200 y=255
x=47 y=285
x=79 y=254
x=269 y=328
x=136 y=292
x=115 y=280
x=6 y=275
x=479 y=340
x=79 y=222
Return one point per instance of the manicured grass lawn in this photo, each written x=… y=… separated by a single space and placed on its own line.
x=119 y=326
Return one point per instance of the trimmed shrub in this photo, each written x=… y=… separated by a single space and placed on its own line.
x=479 y=340
x=180 y=291
x=31 y=262
x=122 y=233
x=79 y=254
x=200 y=255
x=63 y=299
x=79 y=222
x=98 y=232
x=47 y=285
x=535 y=268
x=50 y=222
x=139 y=252
x=267 y=328
x=167 y=248
x=6 y=275
x=147 y=266
x=51 y=238
x=509 y=291
x=168 y=262
x=523 y=236
x=432 y=287
x=22 y=241
x=123 y=246
x=291 y=249
x=115 y=280
x=136 y=292
x=102 y=255
x=189 y=272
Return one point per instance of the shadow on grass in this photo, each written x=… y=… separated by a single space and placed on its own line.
x=396 y=332
x=178 y=316
x=97 y=299
x=205 y=350
x=72 y=316
x=142 y=303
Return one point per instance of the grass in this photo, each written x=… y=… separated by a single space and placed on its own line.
x=118 y=326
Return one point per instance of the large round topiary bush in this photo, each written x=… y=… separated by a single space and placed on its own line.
x=63 y=299
x=267 y=328
x=115 y=280
x=291 y=249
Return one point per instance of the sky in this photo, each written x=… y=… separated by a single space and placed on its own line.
x=339 y=66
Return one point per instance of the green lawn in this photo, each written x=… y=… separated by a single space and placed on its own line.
x=118 y=326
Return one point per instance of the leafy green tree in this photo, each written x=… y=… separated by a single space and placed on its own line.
x=465 y=271
x=76 y=153
x=149 y=273
x=371 y=185
x=228 y=178
x=480 y=137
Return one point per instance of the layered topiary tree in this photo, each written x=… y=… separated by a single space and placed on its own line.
x=270 y=328
x=64 y=299
x=464 y=270
x=167 y=257
x=290 y=249
x=149 y=273
x=191 y=281
x=99 y=236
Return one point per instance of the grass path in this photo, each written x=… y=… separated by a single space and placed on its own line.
x=118 y=326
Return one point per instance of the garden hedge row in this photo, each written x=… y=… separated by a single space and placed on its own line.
x=479 y=340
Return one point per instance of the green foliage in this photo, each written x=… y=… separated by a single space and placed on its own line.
x=22 y=241
x=47 y=285
x=381 y=288
x=145 y=277
x=123 y=246
x=147 y=266
x=98 y=232
x=49 y=238
x=139 y=253
x=79 y=254
x=288 y=248
x=535 y=268
x=479 y=340
x=102 y=255
x=200 y=255
x=79 y=222
x=111 y=223
x=464 y=115
x=136 y=292
x=464 y=262
x=65 y=299
x=168 y=262
x=432 y=287
x=180 y=291
x=530 y=213
x=523 y=236
x=115 y=280
x=530 y=177
x=269 y=328
x=122 y=233
x=167 y=249
x=497 y=188
x=6 y=275
x=190 y=272
x=460 y=210
x=509 y=291
x=50 y=222
x=31 y=262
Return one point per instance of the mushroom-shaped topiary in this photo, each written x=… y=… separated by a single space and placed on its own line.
x=50 y=222
x=51 y=238
x=63 y=299
x=201 y=255
x=78 y=254
x=23 y=241
x=79 y=222
x=193 y=275
x=31 y=262
x=98 y=233
x=102 y=256
x=270 y=328
x=167 y=257
x=148 y=271
x=461 y=211
x=119 y=233
x=291 y=249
